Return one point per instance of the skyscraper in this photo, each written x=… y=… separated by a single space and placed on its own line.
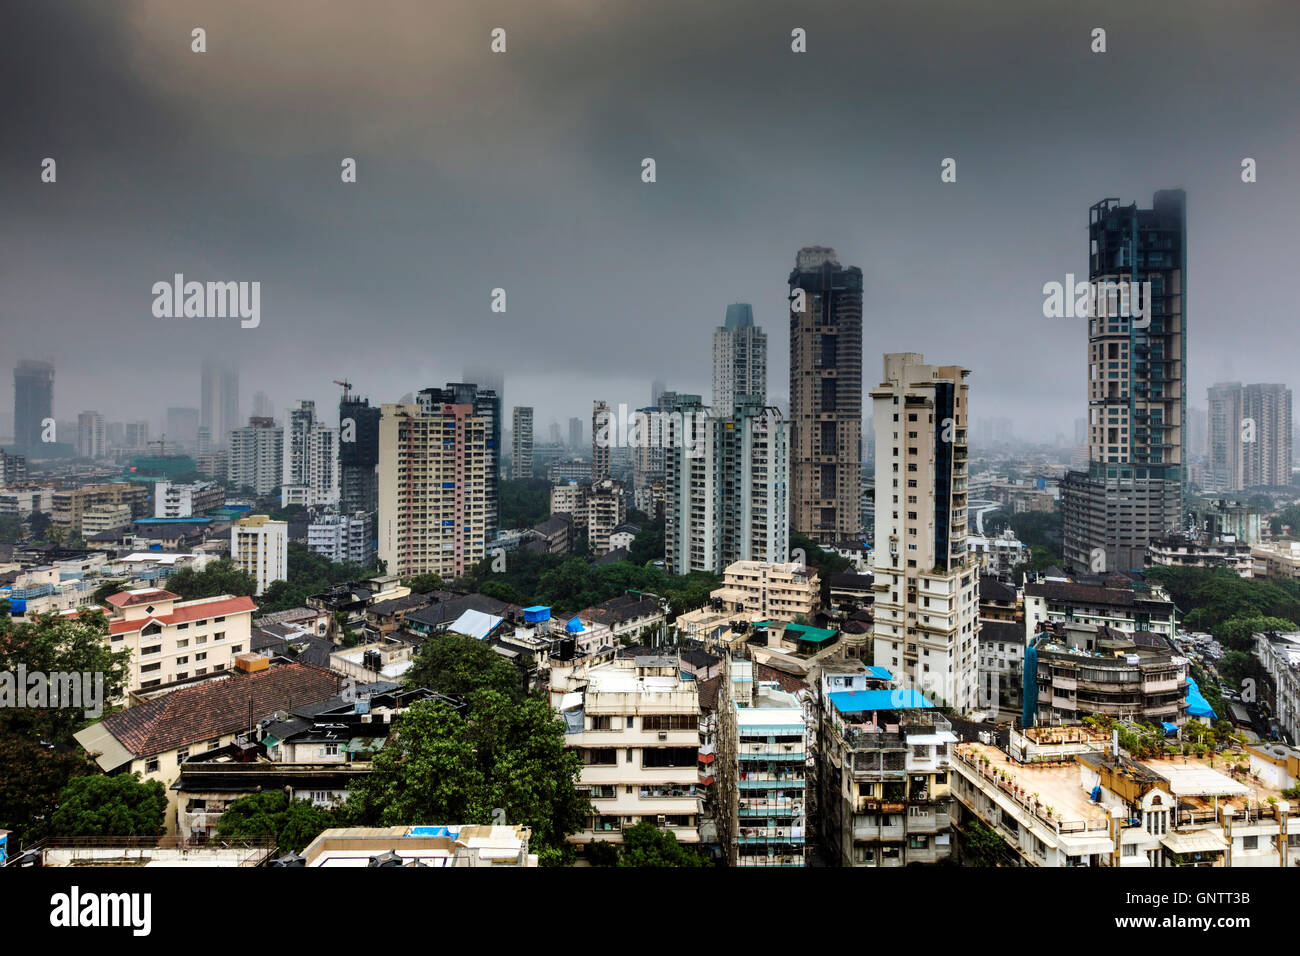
x=825 y=395
x=601 y=437
x=220 y=400
x=486 y=403
x=262 y=407
x=33 y=404
x=358 y=454
x=926 y=628
x=727 y=486
x=311 y=459
x=433 y=467
x=182 y=426
x=522 y=438
x=1250 y=436
x=575 y=433
x=1137 y=355
x=739 y=360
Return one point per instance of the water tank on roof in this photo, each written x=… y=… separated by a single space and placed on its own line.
x=536 y=614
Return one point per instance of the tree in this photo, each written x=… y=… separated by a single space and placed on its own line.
x=219 y=577
x=424 y=583
x=34 y=776
x=51 y=644
x=501 y=754
x=39 y=522
x=120 y=805
x=646 y=845
x=981 y=846
x=524 y=502
x=11 y=529
x=292 y=824
x=456 y=665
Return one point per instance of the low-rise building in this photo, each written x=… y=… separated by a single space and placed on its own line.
x=450 y=845
x=636 y=724
x=172 y=499
x=1201 y=551
x=1113 y=602
x=174 y=640
x=1276 y=559
x=1279 y=655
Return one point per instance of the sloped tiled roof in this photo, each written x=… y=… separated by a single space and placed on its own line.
x=195 y=714
x=182 y=615
x=145 y=596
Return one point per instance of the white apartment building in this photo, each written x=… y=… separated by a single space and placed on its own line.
x=433 y=473
x=261 y=547
x=636 y=724
x=727 y=486
x=739 y=360
x=597 y=508
x=256 y=458
x=20 y=502
x=173 y=499
x=175 y=640
x=91 y=437
x=100 y=518
x=926 y=627
x=1279 y=655
x=770 y=592
x=342 y=538
x=1000 y=554
x=311 y=460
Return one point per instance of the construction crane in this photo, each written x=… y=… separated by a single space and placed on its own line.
x=347 y=388
x=162 y=446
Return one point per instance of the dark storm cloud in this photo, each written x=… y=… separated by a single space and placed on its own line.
x=521 y=171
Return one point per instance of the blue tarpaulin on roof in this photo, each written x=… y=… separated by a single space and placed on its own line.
x=878 y=673
x=1169 y=728
x=857 y=701
x=1197 y=706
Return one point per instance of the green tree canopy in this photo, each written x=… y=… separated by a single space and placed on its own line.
x=423 y=583
x=118 y=805
x=219 y=577
x=34 y=776
x=442 y=767
x=456 y=665
x=292 y=824
x=646 y=845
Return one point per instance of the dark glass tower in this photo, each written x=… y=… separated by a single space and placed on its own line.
x=825 y=396
x=358 y=480
x=33 y=403
x=1137 y=410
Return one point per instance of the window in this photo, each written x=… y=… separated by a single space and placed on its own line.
x=151 y=765
x=184 y=642
x=202 y=656
x=329 y=750
x=150 y=668
x=151 y=649
x=183 y=755
x=669 y=722
x=182 y=627
x=182 y=660
x=599 y=756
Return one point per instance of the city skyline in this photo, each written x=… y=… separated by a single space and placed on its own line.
x=257 y=198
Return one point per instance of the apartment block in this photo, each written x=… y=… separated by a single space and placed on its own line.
x=739 y=360
x=601 y=425
x=342 y=538
x=761 y=760
x=521 y=437
x=596 y=509
x=178 y=500
x=433 y=498
x=171 y=639
x=883 y=760
x=486 y=404
x=1250 y=435
x=70 y=505
x=256 y=456
x=1279 y=656
x=260 y=546
x=926 y=627
x=1115 y=603
x=769 y=592
x=636 y=723
x=311 y=460
x=358 y=454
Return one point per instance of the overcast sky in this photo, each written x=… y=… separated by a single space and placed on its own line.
x=522 y=171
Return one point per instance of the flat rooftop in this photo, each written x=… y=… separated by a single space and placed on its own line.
x=1057 y=786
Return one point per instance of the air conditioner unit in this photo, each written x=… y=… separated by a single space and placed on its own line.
x=662 y=820
x=663 y=736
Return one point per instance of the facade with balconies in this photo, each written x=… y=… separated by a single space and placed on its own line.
x=882 y=774
x=636 y=723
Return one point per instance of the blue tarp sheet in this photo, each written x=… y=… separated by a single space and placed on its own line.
x=1197 y=706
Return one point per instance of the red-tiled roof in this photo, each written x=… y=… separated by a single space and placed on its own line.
x=787 y=682
x=182 y=615
x=194 y=714
x=151 y=596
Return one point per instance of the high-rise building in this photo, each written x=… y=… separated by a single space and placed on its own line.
x=739 y=360
x=182 y=426
x=1250 y=436
x=311 y=459
x=825 y=395
x=1137 y=354
x=727 y=486
x=487 y=406
x=601 y=439
x=358 y=454
x=33 y=404
x=92 y=441
x=262 y=407
x=433 y=476
x=256 y=458
x=926 y=629
x=136 y=436
x=575 y=433
x=522 y=438
x=220 y=400
x=342 y=538
x=260 y=546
